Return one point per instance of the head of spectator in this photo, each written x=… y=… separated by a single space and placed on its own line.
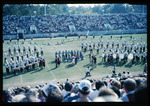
x=141 y=93
x=31 y=96
x=138 y=81
x=104 y=91
x=129 y=85
x=117 y=84
x=84 y=90
x=75 y=89
x=107 y=95
x=68 y=86
x=116 y=90
x=54 y=96
x=99 y=84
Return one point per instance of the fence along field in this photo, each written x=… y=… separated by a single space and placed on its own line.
x=67 y=70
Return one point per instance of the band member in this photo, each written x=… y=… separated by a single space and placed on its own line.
x=10 y=39
x=97 y=48
x=94 y=59
x=9 y=49
x=7 y=67
x=37 y=53
x=33 y=62
x=135 y=48
x=91 y=50
x=21 y=65
x=41 y=49
x=130 y=36
x=144 y=47
x=18 y=48
x=24 y=49
x=27 y=54
x=140 y=47
x=17 y=55
x=137 y=57
x=44 y=63
x=125 y=56
x=5 y=57
x=93 y=45
x=63 y=53
x=66 y=53
x=29 y=47
x=59 y=53
x=69 y=58
x=13 y=66
x=107 y=43
x=35 y=47
x=14 y=48
x=134 y=57
x=112 y=43
x=21 y=54
x=101 y=43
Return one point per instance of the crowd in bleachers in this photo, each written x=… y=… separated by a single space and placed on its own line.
x=12 y=23
x=123 y=88
x=61 y=23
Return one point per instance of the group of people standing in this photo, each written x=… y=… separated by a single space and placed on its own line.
x=23 y=59
x=68 y=56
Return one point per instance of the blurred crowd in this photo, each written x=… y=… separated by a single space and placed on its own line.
x=61 y=23
x=123 y=88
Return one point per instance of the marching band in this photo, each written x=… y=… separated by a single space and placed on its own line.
x=113 y=50
x=22 y=58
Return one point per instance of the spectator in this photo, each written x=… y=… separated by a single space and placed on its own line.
x=54 y=96
x=129 y=87
x=107 y=95
x=18 y=98
x=98 y=85
x=74 y=94
x=6 y=95
x=141 y=93
x=84 y=90
x=68 y=87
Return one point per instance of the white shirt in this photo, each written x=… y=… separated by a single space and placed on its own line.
x=93 y=95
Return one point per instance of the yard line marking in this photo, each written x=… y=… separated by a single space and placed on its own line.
x=79 y=68
x=21 y=78
x=51 y=71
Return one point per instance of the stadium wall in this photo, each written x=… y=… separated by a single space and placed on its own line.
x=108 y=32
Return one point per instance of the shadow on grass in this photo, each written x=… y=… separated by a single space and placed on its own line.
x=85 y=77
x=87 y=65
x=52 y=62
x=52 y=69
x=35 y=71
x=69 y=65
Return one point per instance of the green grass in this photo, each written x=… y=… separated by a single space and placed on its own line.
x=67 y=70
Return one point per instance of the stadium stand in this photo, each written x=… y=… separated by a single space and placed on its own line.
x=60 y=23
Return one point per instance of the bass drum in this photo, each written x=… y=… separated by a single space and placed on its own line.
x=114 y=56
x=103 y=54
x=130 y=56
x=121 y=56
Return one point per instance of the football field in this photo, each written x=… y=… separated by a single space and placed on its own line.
x=68 y=70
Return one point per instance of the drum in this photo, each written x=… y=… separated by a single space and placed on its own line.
x=114 y=56
x=121 y=56
x=130 y=56
x=103 y=55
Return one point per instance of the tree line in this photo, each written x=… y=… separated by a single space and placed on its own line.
x=64 y=9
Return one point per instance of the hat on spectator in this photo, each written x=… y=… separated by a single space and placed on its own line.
x=85 y=86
